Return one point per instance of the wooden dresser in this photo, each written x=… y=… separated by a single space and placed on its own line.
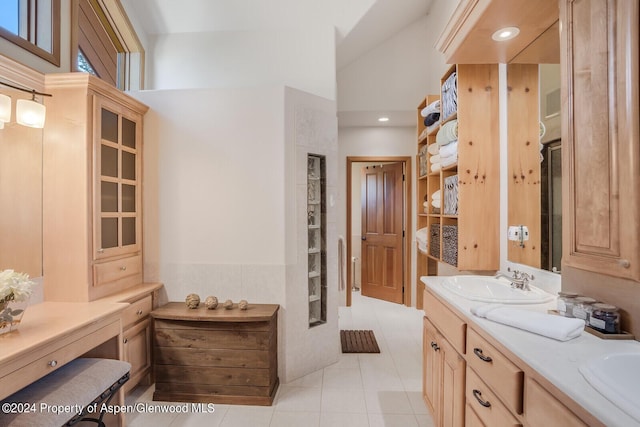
x=216 y=356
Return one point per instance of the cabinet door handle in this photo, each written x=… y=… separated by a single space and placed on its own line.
x=53 y=363
x=478 y=396
x=123 y=268
x=125 y=340
x=478 y=352
x=434 y=346
x=139 y=312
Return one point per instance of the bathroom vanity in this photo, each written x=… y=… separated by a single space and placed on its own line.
x=480 y=373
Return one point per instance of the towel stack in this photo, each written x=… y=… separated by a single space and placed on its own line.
x=431 y=113
x=445 y=151
x=421 y=238
x=435 y=199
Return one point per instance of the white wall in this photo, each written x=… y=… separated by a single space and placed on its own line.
x=397 y=73
x=222 y=211
x=301 y=59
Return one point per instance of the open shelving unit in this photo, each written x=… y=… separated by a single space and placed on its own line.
x=464 y=230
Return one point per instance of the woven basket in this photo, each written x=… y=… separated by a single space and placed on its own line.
x=450 y=244
x=434 y=240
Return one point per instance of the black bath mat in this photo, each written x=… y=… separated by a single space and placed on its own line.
x=358 y=341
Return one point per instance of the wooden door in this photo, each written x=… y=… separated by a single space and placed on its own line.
x=382 y=232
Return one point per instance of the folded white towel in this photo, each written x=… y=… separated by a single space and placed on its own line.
x=548 y=325
x=434 y=159
x=421 y=236
x=434 y=107
x=448 y=161
x=425 y=204
x=435 y=195
x=436 y=204
x=449 y=149
x=433 y=149
x=436 y=167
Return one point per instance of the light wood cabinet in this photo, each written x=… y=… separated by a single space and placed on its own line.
x=443 y=378
x=463 y=223
x=470 y=379
x=600 y=133
x=92 y=178
x=136 y=340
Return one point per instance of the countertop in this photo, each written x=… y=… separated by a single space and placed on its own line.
x=557 y=361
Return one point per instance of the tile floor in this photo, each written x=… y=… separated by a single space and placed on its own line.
x=368 y=390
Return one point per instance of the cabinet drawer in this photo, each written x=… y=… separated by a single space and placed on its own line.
x=448 y=323
x=486 y=404
x=498 y=372
x=111 y=271
x=544 y=410
x=137 y=310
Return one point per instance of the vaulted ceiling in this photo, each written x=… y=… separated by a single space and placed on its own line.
x=361 y=24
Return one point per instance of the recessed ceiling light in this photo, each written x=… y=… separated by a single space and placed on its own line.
x=383 y=119
x=506 y=33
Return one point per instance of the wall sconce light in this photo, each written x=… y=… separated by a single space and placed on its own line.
x=29 y=112
x=5 y=109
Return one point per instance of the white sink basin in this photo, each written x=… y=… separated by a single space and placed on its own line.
x=490 y=289
x=617 y=378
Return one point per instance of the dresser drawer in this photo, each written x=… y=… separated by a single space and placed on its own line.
x=498 y=372
x=486 y=404
x=448 y=323
x=112 y=271
x=137 y=310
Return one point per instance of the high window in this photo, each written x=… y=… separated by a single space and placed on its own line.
x=33 y=25
x=106 y=44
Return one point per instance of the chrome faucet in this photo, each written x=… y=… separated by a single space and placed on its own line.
x=519 y=280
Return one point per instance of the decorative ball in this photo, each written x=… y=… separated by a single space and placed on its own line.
x=228 y=304
x=192 y=300
x=211 y=303
x=243 y=304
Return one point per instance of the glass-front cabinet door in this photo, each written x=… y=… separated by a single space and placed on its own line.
x=118 y=136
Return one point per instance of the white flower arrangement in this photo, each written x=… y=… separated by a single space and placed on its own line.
x=14 y=286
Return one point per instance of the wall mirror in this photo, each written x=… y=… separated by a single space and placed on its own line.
x=535 y=152
x=21 y=194
x=534 y=165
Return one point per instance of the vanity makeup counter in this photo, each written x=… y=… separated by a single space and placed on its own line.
x=54 y=333
x=553 y=364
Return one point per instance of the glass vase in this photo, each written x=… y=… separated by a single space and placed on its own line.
x=11 y=313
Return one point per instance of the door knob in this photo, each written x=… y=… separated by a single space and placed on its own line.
x=364 y=237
